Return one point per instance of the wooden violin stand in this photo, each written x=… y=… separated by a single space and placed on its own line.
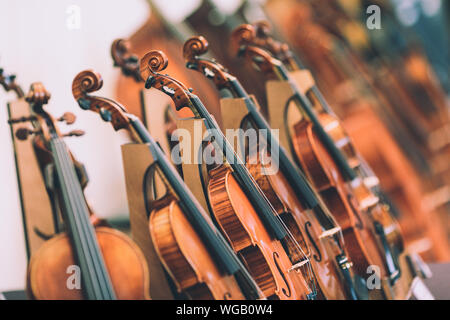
x=35 y=202
x=136 y=159
x=278 y=94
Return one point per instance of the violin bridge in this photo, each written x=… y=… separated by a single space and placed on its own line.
x=330 y=232
x=371 y=182
x=368 y=202
x=298 y=265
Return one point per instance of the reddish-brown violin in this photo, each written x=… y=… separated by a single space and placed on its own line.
x=83 y=262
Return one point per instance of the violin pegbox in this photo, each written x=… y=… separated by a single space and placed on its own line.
x=8 y=81
x=192 y=50
x=129 y=63
x=263 y=39
x=243 y=41
x=154 y=62
x=43 y=123
x=89 y=81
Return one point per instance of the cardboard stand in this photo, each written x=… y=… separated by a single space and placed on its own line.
x=136 y=159
x=195 y=129
x=35 y=202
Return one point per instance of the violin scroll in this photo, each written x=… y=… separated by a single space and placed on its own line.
x=89 y=81
x=195 y=46
x=241 y=37
x=154 y=62
x=243 y=43
x=192 y=49
x=38 y=95
x=129 y=63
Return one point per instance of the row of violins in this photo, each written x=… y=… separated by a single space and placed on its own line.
x=377 y=81
x=310 y=231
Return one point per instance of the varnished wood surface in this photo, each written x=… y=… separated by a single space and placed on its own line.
x=186 y=258
x=265 y=258
x=48 y=269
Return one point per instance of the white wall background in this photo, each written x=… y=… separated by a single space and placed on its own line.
x=37 y=43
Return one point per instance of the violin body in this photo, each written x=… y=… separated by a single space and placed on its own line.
x=264 y=257
x=362 y=192
x=360 y=240
x=50 y=272
x=186 y=257
x=300 y=222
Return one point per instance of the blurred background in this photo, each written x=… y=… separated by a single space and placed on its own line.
x=51 y=41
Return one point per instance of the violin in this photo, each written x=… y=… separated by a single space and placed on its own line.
x=109 y=264
x=288 y=188
x=195 y=255
x=241 y=210
x=370 y=224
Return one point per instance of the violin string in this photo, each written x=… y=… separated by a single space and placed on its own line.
x=78 y=224
x=82 y=222
x=223 y=244
x=291 y=237
x=88 y=228
x=200 y=111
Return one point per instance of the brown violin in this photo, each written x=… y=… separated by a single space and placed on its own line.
x=243 y=213
x=83 y=262
x=371 y=232
x=288 y=189
x=195 y=255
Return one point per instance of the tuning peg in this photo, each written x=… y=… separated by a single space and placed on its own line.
x=105 y=114
x=68 y=118
x=74 y=133
x=133 y=59
x=24 y=133
x=21 y=119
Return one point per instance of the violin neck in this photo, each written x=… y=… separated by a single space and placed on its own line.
x=95 y=278
x=220 y=251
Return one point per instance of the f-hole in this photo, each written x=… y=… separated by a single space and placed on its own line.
x=287 y=292
x=319 y=257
